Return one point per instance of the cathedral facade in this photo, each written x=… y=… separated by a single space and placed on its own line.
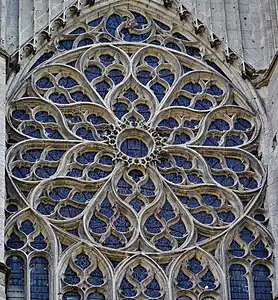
x=139 y=150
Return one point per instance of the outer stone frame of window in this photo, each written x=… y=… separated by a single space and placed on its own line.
x=100 y=178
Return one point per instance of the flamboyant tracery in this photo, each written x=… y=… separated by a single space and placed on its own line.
x=133 y=172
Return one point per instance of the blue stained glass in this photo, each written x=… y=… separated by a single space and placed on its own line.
x=32 y=131
x=102 y=88
x=130 y=95
x=96 y=296
x=219 y=124
x=97 y=174
x=211 y=200
x=203 y=104
x=122 y=223
x=214 y=90
x=95 y=22
x=235 y=164
x=54 y=155
x=116 y=75
x=21 y=172
x=180 y=36
x=45 y=171
x=183 y=281
x=162 y=25
x=238 y=282
x=106 y=59
x=96 y=278
x=70 y=211
x=208 y=281
x=106 y=160
x=163 y=244
x=96 y=120
x=212 y=141
x=39 y=281
x=58 y=98
x=242 y=124
x=123 y=187
x=193 y=51
x=170 y=123
x=44 y=83
x=236 y=250
x=75 y=173
x=79 y=97
x=247 y=235
x=20 y=114
x=233 y=140
x=193 y=88
x=127 y=289
x=106 y=208
x=93 y=72
x=144 y=110
x=71 y=296
x=181 y=138
x=27 y=227
x=248 y=182
x=186 y=69
x=85 y=42
x=131 y=37
x=104 y=40
x=224 y=180
x=135 y=174
x=144 y=76
x=86 y=158
x=113 y=242
x=65 y=45
x=32 y=155
x=46 y=56
x=70 y=276
x=262 y=283
x=53 y=134
x=16 y=280
x=14 y=241
x=139 y=273
x=39 y=242
x=203 y=217
x=173 y=46
x=260 y=250
x=173 y=177
x=82 y=260
x=141 y=20
x=67 y=82
x=44 y=117
x=97 y=225
x=194 y=265
x=73 y=118
x=45 y=209
x=167 y=75
x=134 y=148
x=164 y=163
x=178 y=229
x=190 y=123
x=153 y=225
x=78 y=30
x=194 y=178
x=213 y=162
x=189 y=202
x=155 y=42
x=152 y=61
x=153 y=289
x=113 y=23
x=120 y=109
x=181 y=101
x=12 y=208
x=85 y=133
x=167 y=211
x=226 y=216
x=137 y=204
x=148 y=189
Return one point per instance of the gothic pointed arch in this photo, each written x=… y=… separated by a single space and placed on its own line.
x=134 y=145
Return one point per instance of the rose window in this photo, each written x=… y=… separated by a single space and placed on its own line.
x=140 y=158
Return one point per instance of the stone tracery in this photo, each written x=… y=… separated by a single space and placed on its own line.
x=133 y=148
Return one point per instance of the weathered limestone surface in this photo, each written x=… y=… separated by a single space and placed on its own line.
x=249 y=26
